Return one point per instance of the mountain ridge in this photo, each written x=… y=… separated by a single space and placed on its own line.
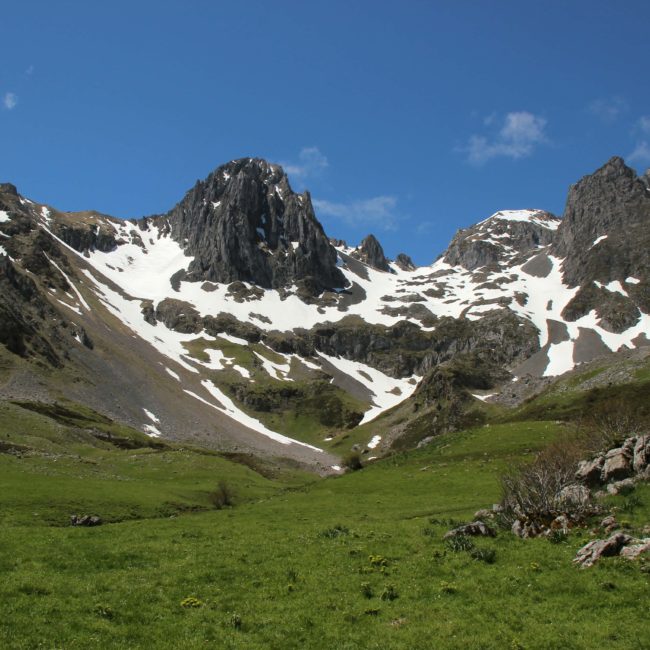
x=245 y=304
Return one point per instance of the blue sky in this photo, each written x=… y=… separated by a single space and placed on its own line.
x=406 y=119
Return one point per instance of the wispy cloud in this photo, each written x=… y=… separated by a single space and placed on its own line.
x=30 y=70
x=9 y=101
x=377 y=211
x=608 y=109
x=311 y=162
x=644 y=124
x=518 y=136
x=640 y=154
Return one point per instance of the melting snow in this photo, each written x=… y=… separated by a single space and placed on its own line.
x=4 y=216
x=151 y=430
x=151 y=416
x=237 y=414
x=598 y=240
x=374 y=442
x=387 y=391
x=172 y=374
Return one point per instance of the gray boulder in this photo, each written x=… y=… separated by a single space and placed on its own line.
x=590 y=553
x=636 y=549
x=617 y=465
x=624 y=486
x=589 y=471
x=473 y=529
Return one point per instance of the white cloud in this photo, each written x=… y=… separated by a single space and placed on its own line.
x=378 y=211
x=520 y=133
x=311 y=161
x=10 y=100
x=644 y=124
x=608 y=109
x=641 y=153
x=30 y=70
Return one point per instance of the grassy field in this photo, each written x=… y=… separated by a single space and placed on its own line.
x=356 y=561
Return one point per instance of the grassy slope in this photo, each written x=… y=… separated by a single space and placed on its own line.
x=268 y=564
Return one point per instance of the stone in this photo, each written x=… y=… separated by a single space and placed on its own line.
x=484 y=513
x=616 y=466
x=641 y=453
x=572 y=496
x=589 y=471
x=590 y=553
x=621 y=487
x=636 y=549
x=85 y=520
x=473 y=529
x=609 y=523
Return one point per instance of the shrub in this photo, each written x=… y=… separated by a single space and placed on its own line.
x=334 y=532
x=631 y=503
x=235 y=621
x=557 y=536
x=532 y=489
x=447 y=587
x=191 y=602
x=389 y=593
x=222 y=497
x=487 y=555
x=366 y=590
x=459 y=543
x=352 y=461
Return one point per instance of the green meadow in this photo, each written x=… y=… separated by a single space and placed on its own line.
x=356 y=561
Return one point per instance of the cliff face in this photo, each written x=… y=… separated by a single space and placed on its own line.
x=244 y=222
x=604 y=239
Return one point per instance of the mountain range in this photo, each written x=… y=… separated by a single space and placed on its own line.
x=234 y=322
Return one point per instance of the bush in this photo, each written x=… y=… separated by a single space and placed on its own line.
x=487 y=555
x=353 y=461
x=531 y=490
x=222 y=497
x=334 y=532
x=459 y=543
x=389 y=593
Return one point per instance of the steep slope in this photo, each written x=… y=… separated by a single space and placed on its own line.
x=259 y=328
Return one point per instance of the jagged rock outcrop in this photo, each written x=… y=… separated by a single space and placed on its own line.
x=605 y=237
x=405 y=262
x=371 y=252
x=244 y=222
x=500 y=237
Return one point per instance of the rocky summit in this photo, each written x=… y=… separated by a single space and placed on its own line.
x=233 y=320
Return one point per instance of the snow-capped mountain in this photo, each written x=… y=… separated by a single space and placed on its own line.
x=220 y=320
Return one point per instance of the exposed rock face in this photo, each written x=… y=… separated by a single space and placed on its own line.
x=405 y=262
x=605 y=237
x=489 y=242
x=243 y=222
x=179 y=315
x=371 y=252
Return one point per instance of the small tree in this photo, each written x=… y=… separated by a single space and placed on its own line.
x=222 y=497
x=353 y=461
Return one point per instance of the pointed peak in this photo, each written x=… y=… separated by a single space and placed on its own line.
x=371 y=252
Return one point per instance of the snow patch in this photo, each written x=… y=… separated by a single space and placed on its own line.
x=374 y=442
x=598 y=240
x=4 y=216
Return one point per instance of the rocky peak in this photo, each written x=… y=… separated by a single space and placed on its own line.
x=8 y=188
x=604 y=235
x=501 y=238
x=405 y=262
x=371 y=252
x=244 y=222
